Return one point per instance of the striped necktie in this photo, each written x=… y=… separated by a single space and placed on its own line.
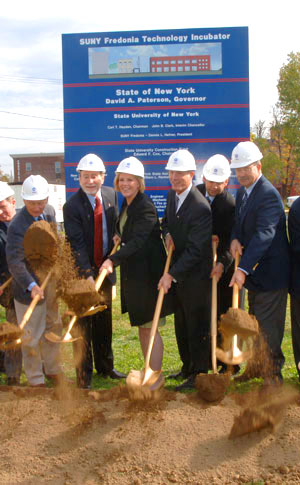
x=243 y=203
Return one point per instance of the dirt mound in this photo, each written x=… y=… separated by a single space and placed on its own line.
x=77 y=439
x=40 y=244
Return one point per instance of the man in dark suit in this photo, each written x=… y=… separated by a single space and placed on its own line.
x=294 y=233
x=89 y=218
x=259 y=235
x=39 y=355
x=187 y=224
x=11 y=360
x=216 y=173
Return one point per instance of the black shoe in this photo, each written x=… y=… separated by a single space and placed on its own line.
x=13 y=381
x=188 y=384
x=115 y=374
x=178 y=375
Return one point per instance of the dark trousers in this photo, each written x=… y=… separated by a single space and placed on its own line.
x=269 y=307
x=295 y=323
x=192 y=324
x=96 y=343
x=11 y=360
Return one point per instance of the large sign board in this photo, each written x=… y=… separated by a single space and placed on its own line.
x=149 y=93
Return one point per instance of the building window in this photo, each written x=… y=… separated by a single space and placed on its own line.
x=57 y=167
x=28 y=166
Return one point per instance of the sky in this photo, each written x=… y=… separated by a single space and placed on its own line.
x=31 y=93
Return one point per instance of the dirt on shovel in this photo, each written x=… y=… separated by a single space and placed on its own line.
x=212 y=387
x=41 y=245
x=238 y=322
x=80 y=296
x=267 y=412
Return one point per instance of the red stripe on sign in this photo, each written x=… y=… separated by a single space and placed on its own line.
x=152 y=142
x=144 y=108
x=169 y=81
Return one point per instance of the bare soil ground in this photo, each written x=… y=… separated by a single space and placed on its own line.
x=79 y=437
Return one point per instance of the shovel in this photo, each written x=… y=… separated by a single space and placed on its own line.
x=212 y=387
x=12 y=338
x=5 y=284
x=236 y=322
x=40 y=249
x=150 y=376
x=52 y=337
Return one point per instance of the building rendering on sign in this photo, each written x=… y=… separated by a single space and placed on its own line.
x=180 y=64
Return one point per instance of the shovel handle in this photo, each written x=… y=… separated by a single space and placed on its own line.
x=213 y=328
x=157 y=311
x=102 y=275
x=34 y=302
x=235 y=290
x=4 y=285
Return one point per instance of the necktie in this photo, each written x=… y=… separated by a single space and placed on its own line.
x=208 y=199
x=243 y=203
x=98 y=242
x=176 y=203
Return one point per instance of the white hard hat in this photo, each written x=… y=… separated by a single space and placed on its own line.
x=91 y=162
x=131 y=165
x=217 y=169
x=5 y=191
x=245 y=153
x=181 y=161
x=35 y=187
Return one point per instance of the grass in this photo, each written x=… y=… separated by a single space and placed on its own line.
x=127 y=353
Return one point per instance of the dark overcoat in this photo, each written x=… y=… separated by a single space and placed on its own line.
x=141 y=258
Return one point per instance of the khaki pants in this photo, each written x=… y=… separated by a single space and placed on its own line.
x=40 y=355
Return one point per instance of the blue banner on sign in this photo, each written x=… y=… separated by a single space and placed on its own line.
x=149 y=93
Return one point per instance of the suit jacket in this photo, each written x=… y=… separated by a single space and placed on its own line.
x=3 y=263
x=23 y=276
x=79 y=226
x=191 y=231
x=223 y=210
x=142 y=258
x=294 y=233
x=261 y=229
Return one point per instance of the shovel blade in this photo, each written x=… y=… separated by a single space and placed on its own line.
x=228 y=358
x=56 y=339
x=93 y=310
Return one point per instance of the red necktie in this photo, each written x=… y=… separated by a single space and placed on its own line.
x=98 y=243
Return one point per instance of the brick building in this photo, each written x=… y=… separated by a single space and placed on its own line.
x=180 y=63
x=49 y=165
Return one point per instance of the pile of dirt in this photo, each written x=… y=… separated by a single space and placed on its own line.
x=81 y=437
x=266 y=411
x=212 y=387
x=240 y=322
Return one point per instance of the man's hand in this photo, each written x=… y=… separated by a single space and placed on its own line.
x=91 y=279
x=117 y=239
x=108 y=265
x=37 y=290
x=165 y=282
x=236 y=246
x=217 y=271
x=169 y=242
x=239 y=278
